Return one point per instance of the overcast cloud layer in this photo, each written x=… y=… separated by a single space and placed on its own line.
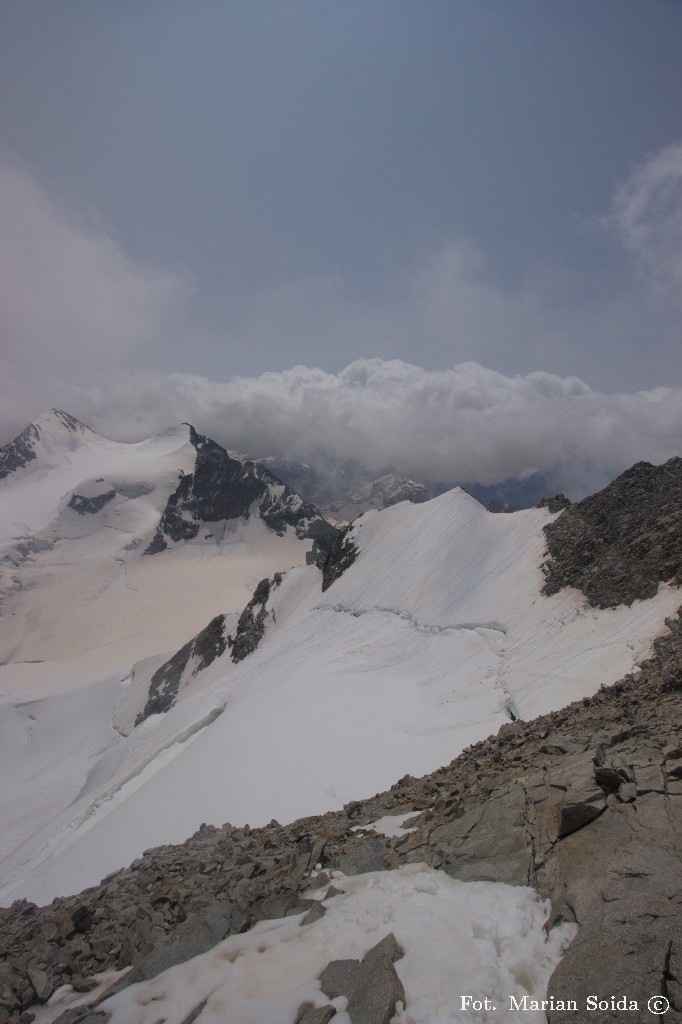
x=445 y=218
x=77 y=307
x=468 y=424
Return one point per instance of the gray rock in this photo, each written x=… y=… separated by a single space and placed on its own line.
x=372 y=987
x=201 y=651
x=335 y=977
x=556 y=504
x=341 y=556
x=617 y=545
x=282 y=904
x=310 y=1014
x=314 y=914
x=368 y=855
x=222 y=488
x=388 y=949
x=196 y=1012
x=251 y=625
x=40 y=982
x=377 y=991
x=200 y=932
x=83 y=1015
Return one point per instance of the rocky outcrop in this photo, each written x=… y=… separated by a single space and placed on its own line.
x=222 y=489
x=556 y=504
x=251 y=625
x=617 y=545
x=388 y=490
x=585 y=804
x=371 y=987
x=90 y=506
x=19 y=452
x=196 y=655
x=341 y=556
x=22 y=450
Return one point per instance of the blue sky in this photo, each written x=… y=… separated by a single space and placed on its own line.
x=223 y=189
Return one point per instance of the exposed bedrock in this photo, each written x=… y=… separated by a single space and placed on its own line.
x=617 y=545
x=222 y=488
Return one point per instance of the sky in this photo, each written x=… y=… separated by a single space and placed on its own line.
x=389 y=230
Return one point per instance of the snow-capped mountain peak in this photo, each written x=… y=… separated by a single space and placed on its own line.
x=43 y=438
x=79 y=513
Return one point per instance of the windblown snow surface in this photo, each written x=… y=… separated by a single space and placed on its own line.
x=436 y=635
x=84 y=611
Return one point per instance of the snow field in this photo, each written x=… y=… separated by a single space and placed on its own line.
x=429 y=642
x=460 y=938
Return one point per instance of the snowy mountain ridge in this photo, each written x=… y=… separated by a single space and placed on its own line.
x=436 y=632
x=51 y=432
x=174 y=655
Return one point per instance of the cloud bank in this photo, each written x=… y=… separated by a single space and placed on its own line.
x=81 y=320
x=468 y=423
x=71 y=301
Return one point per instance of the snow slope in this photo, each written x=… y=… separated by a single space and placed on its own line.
x=458 y=937
x=434 y=636
x=76 y=584
x=83 y=606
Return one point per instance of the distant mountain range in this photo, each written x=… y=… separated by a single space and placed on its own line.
x=344 y=490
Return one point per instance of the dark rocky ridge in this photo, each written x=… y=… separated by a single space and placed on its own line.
x=585 y=804
x=19 y=452
x=202 y=650
x=251 y=625
x=222 y=488
x=22 y=450
x=84 y=505
x=341 y=556
x=617 y=545
x=556 y=504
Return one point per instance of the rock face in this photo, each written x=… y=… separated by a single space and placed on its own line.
x=196 y=655
x=251 y=625
x=222 y=488
x=556 y=504
x=84 y=505
x=372 y=987
x=22 y=450
x=618 y=544
x=341 y=556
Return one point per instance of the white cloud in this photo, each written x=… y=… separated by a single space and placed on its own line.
x=467 y=423
x=80 y=319
x=72 y=303
x=647 y=216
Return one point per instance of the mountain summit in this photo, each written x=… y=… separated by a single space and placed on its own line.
x=221 y=489
x=80 y=516
x=52 y=430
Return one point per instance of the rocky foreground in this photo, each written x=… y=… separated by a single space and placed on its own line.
x=584 y=804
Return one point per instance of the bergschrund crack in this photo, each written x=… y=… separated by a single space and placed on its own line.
x=359 y=610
